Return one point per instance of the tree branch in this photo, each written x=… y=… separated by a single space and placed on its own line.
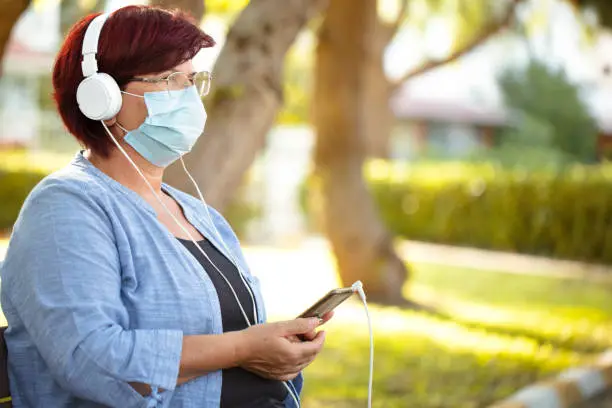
x=401 y=15
x=488 y=31
x=196 y=8
x=11 y=11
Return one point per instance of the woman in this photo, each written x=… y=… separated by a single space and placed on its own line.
x=119 y=290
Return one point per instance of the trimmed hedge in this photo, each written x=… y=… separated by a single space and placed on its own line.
x=564 y=215
x=14 y=188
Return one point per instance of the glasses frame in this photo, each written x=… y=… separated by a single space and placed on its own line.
x=191 y=76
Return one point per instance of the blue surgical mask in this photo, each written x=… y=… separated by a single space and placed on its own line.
x=174 y=123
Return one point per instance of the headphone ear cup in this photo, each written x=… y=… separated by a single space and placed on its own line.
x=99 y=97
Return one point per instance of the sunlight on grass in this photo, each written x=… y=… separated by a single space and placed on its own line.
x=495 y=334
x=571 y=314
x=424 y=362
x=498 y=288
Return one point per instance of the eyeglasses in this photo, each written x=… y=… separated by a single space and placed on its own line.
x=177 y=81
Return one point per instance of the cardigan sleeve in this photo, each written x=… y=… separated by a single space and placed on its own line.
x=63 y=275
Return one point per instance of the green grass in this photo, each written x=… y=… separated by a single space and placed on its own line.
x=566 y=313
x=495 y=334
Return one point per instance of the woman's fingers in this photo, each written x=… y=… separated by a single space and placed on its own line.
x=325 y=318
x=309 y=336
x=310 y=349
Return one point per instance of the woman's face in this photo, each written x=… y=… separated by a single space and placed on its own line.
x=133 y=110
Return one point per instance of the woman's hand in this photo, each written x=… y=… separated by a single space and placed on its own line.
x=267 y=349
x=312 y=334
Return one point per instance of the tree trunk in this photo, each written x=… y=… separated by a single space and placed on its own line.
x=11 y=11
x=247 y=95
x=363 y=247
x=196 y=8
x=377 y=116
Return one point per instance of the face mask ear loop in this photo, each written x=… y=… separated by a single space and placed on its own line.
x=131 y=94
x=121 y=127
x=181 y=226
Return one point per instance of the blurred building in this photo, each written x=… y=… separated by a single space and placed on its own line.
x=443 y=128
x=453 y=110
x=27 y=114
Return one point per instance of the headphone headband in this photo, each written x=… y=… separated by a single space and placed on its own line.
x=98 y=95
x=89 y=65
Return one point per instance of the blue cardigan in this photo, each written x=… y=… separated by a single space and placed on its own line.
x=97 y=293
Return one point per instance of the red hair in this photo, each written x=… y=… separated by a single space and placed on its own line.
x=135 y=40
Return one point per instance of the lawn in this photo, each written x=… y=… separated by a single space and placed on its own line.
x=496 y=333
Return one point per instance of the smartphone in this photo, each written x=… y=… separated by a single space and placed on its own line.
x=328 y=302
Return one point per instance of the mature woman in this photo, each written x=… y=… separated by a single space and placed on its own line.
x=119 y=290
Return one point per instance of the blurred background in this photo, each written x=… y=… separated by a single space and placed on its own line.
x=451 y=154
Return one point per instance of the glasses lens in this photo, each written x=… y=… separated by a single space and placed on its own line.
x=178 y=81
x=202 y=82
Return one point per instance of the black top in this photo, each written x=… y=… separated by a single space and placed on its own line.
x=240 y=388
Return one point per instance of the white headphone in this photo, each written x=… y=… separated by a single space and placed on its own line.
x=98 y=95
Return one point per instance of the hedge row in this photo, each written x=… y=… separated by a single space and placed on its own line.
x=566 y=215
x=15 y=185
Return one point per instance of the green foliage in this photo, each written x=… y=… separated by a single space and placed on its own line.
x=471 y=16
x=297 y=83
x=490 y=343
x=19 y=173
x=225 y=8
x=549 y=114
x=14 y=188
x=565 y=215
x=72 y=11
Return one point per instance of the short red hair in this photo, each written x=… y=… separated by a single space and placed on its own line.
x=135 y=40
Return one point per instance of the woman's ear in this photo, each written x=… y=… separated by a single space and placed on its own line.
x=111 y=122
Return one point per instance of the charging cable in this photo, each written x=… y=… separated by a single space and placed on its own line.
x=358 y=287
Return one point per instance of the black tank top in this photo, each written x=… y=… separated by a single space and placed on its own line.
x=240 y=388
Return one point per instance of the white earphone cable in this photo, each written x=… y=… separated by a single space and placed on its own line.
x=182 y=227
x=201 y=196
x=358 y=286
x=219 y=235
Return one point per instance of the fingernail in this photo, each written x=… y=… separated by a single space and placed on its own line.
x=320 y=321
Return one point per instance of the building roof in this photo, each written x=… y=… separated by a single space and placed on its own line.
x=407 y=107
